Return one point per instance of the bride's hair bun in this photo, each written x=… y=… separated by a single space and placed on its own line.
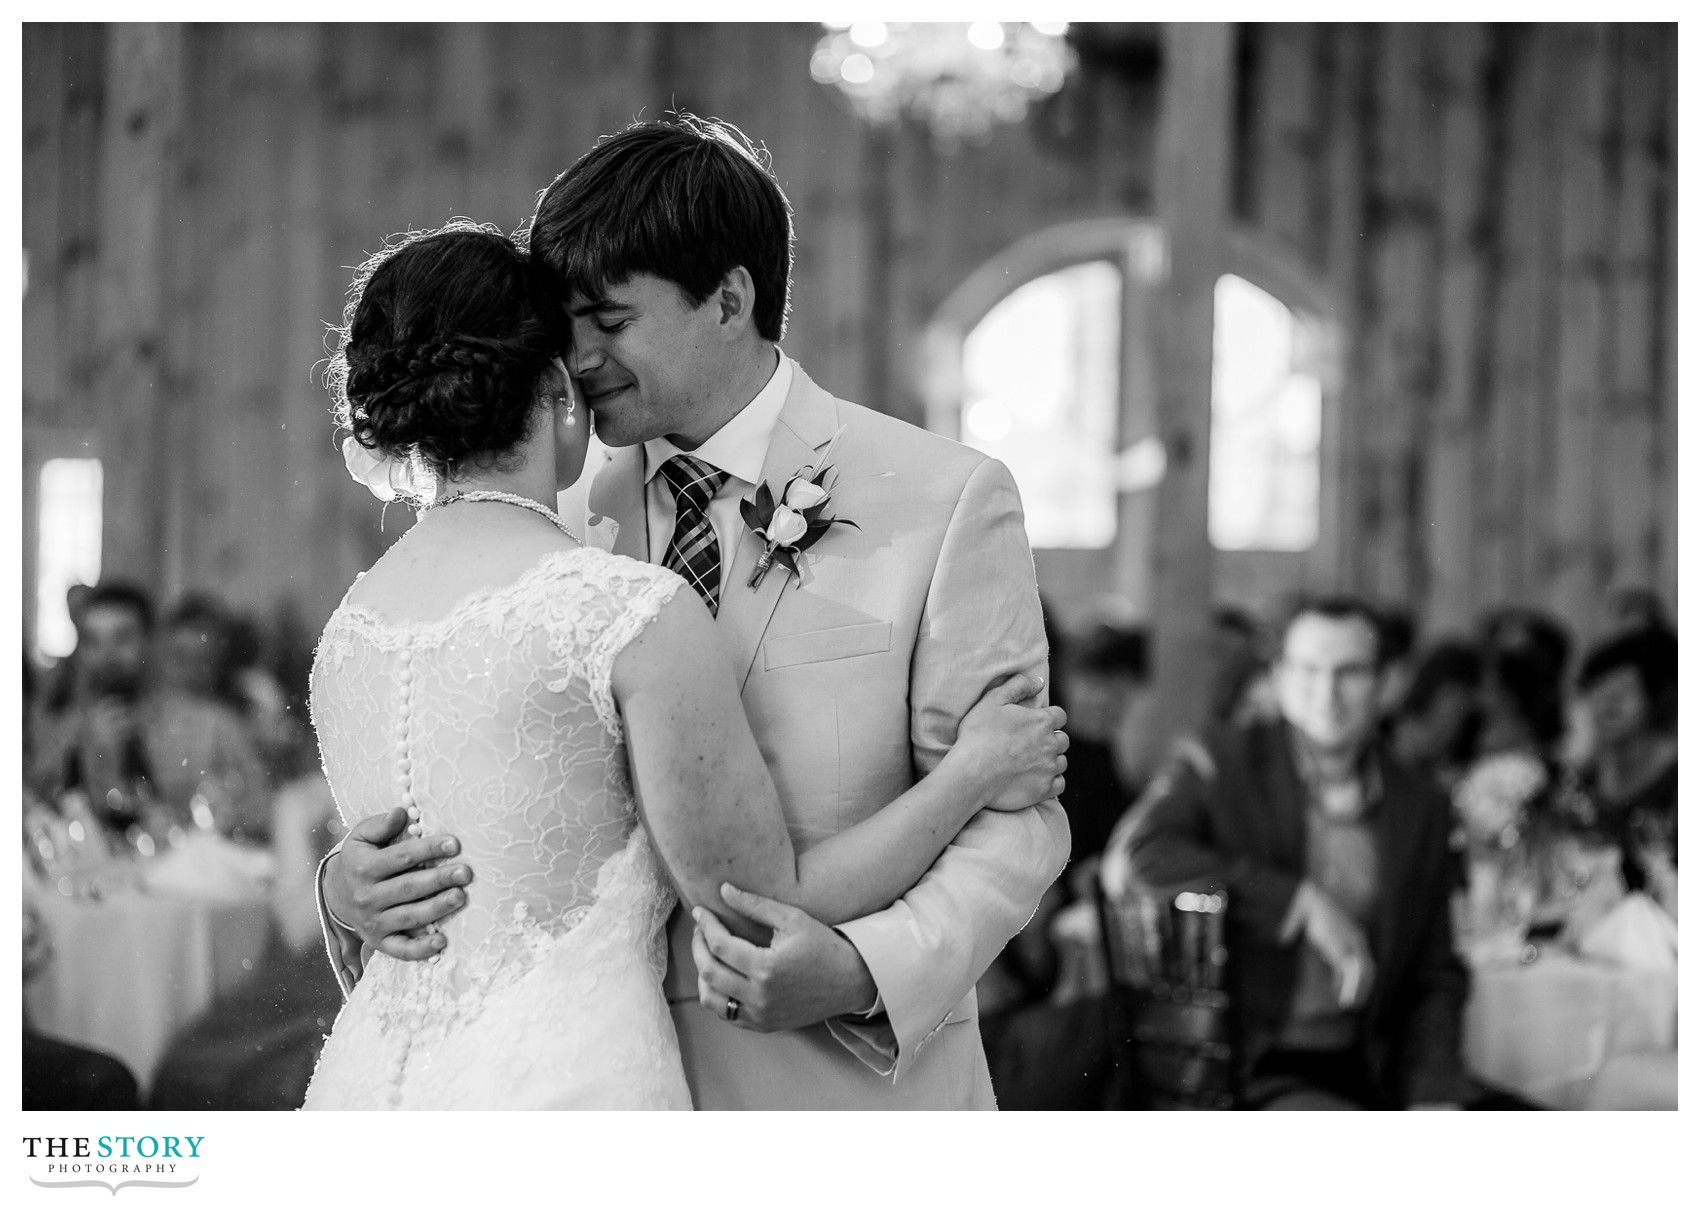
x=445 y=336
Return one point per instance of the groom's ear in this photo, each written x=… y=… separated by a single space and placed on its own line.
x=735 y=302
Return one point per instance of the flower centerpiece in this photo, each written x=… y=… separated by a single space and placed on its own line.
x=1493 y=799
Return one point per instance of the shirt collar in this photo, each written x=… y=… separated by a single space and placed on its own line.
x=738 y=447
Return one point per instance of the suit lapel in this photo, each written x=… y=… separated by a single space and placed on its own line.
x=806 y=424
x=619 y=521
x=1291 y=801
x=1395 y=851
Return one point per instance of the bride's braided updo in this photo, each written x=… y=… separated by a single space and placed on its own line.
x=444 y=338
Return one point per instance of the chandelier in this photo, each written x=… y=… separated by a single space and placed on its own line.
x=960 y=78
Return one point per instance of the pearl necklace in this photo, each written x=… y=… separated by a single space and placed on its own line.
x=506 y=498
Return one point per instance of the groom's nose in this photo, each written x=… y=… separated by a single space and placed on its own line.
x=586 y=356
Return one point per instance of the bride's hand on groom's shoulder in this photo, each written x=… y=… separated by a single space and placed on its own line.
x=1013 y=744
x=807 y=973
x=385 y=885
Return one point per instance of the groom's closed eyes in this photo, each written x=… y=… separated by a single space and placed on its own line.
x=609 y=315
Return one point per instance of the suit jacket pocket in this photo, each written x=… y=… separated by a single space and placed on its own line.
x=833 y=644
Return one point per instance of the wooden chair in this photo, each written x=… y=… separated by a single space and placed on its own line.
x=1171 y=1014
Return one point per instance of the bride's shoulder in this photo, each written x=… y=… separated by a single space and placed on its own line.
x=619 y=572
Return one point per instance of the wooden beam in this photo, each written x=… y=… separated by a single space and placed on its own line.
x=139 y=143
x=1630 y=469
x=1465 y=200
x=1587 y=211
x=1194 y=134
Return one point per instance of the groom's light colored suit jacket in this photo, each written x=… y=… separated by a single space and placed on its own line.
x=854 y=679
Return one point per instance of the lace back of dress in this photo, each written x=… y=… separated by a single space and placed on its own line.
x=498 y=722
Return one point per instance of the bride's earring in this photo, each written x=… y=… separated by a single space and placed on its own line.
x=571 y=404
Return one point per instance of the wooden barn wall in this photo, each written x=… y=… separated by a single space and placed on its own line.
x=1493 y=207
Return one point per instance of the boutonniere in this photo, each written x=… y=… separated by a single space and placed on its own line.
x=791 y=521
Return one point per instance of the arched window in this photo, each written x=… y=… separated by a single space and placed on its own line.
x=1044 y=358
x=1265 y=423
x=1039 y=373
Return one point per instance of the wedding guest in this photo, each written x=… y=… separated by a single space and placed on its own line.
x=277 y=721
x=1434 y=728
x=1047 y=1050
x=1334 y=859
x=1399 y=635
x=198 y=650
x=123 y=731
x=1237 y=667
x=1632 y=608
x=1524 y=656
x=1628 y=685
x=1105 y=671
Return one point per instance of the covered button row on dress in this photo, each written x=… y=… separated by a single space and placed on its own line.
x=404 y=763
x=404 y=785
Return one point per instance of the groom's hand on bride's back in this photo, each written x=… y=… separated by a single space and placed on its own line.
x=387 y=885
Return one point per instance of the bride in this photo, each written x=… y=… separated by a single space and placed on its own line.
x=569 y=715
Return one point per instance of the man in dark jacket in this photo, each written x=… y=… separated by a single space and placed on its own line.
x=1334 y=859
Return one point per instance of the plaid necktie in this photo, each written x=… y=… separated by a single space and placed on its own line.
x=694 y=552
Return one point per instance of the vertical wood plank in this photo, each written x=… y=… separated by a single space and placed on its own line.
x=1347 y=257
x=80 y=236
x=1288 y=110
x=1626 y=485
x=44 y=99
x=1586 y=210
x=1504 y=452
x=1193 y=151
x=1664 y=156
x=1464 y=297
x=139 y=137
x=1407 y=261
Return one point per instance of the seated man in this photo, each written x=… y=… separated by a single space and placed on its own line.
x=119 y=727
x=1334 y=859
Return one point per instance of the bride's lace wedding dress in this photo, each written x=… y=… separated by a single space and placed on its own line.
x=499 y=723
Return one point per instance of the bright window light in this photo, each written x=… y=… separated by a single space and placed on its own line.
x=68 y=551
x=1040 y=383
x=1266 y=425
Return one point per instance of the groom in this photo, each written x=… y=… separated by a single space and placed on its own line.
x=672 y=243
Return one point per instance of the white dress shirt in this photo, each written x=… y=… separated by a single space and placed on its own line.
x=738 y=448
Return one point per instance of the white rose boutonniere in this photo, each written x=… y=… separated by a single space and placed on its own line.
x=791 y=521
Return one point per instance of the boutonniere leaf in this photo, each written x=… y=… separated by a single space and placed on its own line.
x=795 y=520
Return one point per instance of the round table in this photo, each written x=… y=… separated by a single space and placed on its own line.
x=131 y=969
x=1546 y=1029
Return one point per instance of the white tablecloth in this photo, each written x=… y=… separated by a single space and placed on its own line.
x=130 y=970
x=1545 y=1030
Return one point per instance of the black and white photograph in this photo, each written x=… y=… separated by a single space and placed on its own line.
x=1095 y=566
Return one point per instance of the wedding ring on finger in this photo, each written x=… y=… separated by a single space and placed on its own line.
x=733 y=1006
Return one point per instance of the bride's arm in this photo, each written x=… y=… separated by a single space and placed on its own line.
x=710 y=804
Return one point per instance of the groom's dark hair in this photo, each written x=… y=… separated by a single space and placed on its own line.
x=683 y=198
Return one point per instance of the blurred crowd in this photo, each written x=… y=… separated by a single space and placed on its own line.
x=1327 y=718
x=1411 y=760
x=171 y=753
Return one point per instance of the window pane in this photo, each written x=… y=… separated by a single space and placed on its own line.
x=1039 y=379
x=1266 y=425
x=69 y=551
